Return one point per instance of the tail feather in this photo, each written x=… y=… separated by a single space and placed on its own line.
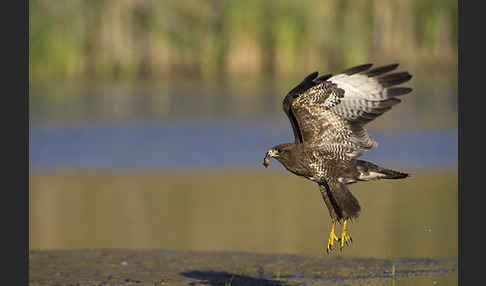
x=369 y=171
x=340 y=201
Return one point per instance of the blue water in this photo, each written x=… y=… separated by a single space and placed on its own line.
x=156 y=145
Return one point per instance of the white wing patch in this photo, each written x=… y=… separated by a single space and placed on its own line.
x=359 y=86
x=367 y=96
x=370 y=176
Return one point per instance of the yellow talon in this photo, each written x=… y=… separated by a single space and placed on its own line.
x=345 y=238
x=332 y=237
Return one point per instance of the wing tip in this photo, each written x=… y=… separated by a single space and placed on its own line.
x=311 y=76
x=357 y=69
x=394 y=78
x=381 y=70
x=305 y=84
x=397 y=91
x=323 y=78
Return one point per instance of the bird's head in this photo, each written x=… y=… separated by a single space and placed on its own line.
x=278 y=152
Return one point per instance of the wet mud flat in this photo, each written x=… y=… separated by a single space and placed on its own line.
x=177 y=267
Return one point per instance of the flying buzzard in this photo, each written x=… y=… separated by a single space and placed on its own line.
x=328 y=114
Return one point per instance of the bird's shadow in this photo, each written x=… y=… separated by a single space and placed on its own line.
x=216 y=278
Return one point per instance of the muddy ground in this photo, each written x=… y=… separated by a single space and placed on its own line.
x=173 y=267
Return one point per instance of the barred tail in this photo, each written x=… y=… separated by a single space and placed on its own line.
x=369 y=171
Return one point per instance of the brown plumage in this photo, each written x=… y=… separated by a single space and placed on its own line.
x=327 y=115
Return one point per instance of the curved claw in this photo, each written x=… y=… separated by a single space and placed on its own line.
x=345 y=237
x=330 y=242
x=330 y=249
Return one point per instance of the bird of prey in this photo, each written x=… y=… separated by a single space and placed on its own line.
x=328 y=115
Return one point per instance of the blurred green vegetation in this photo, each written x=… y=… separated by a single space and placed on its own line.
x=208 y=40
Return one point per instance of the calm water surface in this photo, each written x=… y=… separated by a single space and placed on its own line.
x=145 y=145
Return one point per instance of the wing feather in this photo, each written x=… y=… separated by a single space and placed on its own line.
x=367 y=93
x=329 y=112
x=307 y=83
x=381 y=70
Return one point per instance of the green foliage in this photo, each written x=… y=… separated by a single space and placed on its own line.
x=136 y=39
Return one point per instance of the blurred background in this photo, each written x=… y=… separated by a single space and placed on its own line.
x=149 y=121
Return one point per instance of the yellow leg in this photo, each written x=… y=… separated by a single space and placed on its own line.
x=332 y=238
x=345 y=238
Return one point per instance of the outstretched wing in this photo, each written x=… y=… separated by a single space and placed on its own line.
x=369 y=93
x=307 y=83
x=310 y=81
x=329 y=112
